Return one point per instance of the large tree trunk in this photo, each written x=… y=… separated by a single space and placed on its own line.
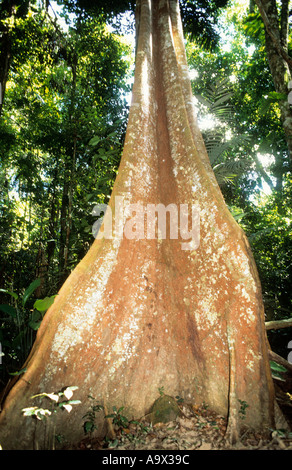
x=138 y=314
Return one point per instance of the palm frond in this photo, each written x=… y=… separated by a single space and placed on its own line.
x=227 y=171
x=218 y=148
x=222 y=151
x=216 y=98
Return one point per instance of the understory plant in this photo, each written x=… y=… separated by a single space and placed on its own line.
x=58 y=401
x=89 y=424
x=19 y=320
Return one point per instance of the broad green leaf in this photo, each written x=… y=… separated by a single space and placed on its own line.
x=88 y=427
x=277 y=375
x=239 y=216
x=29 y=291
x=277 y=367
x=35 y=320
x=89 y=196
x=43 y=304
x=11 y=311
x=34 y=325
x=94 y=141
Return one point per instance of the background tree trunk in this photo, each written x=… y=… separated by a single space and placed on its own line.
x=7 y=10
x=276 y=36
x=139 y=314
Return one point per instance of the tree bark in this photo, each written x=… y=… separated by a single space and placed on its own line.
x=64 y=218
x=69 y=181
x=280 y=360
x=5 y=49
x=141 y=313
x=277 y=324
x=276 y=38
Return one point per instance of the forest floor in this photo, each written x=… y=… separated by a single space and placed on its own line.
x=195 y=429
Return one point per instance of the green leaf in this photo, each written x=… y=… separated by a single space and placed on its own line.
x=29 y=291
x=89 y=196
x=239 y=216
x=35 y=320
x=278 y=376
x=275 y=96
x=12 y=312
x=34 y=325
x=277 y=367
x=10 y=293
x=88 y=427
x=43 y=304
x=94 y=141
x=22 y=371
x=113 y=444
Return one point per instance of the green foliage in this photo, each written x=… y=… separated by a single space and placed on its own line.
x=43 y=304
x=118 y=419
x=59 y=401
x=64 y=89
x=199 y=16
x=277 y=371
x=199 y=19
x=242 y=409
x=19 y=323
x=225 y=151
x=89 y=424
x=41 y=413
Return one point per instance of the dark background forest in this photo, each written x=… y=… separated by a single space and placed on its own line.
x=66 y=74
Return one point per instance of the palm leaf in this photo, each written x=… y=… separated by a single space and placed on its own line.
x=226 y=172
x=220 y=151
